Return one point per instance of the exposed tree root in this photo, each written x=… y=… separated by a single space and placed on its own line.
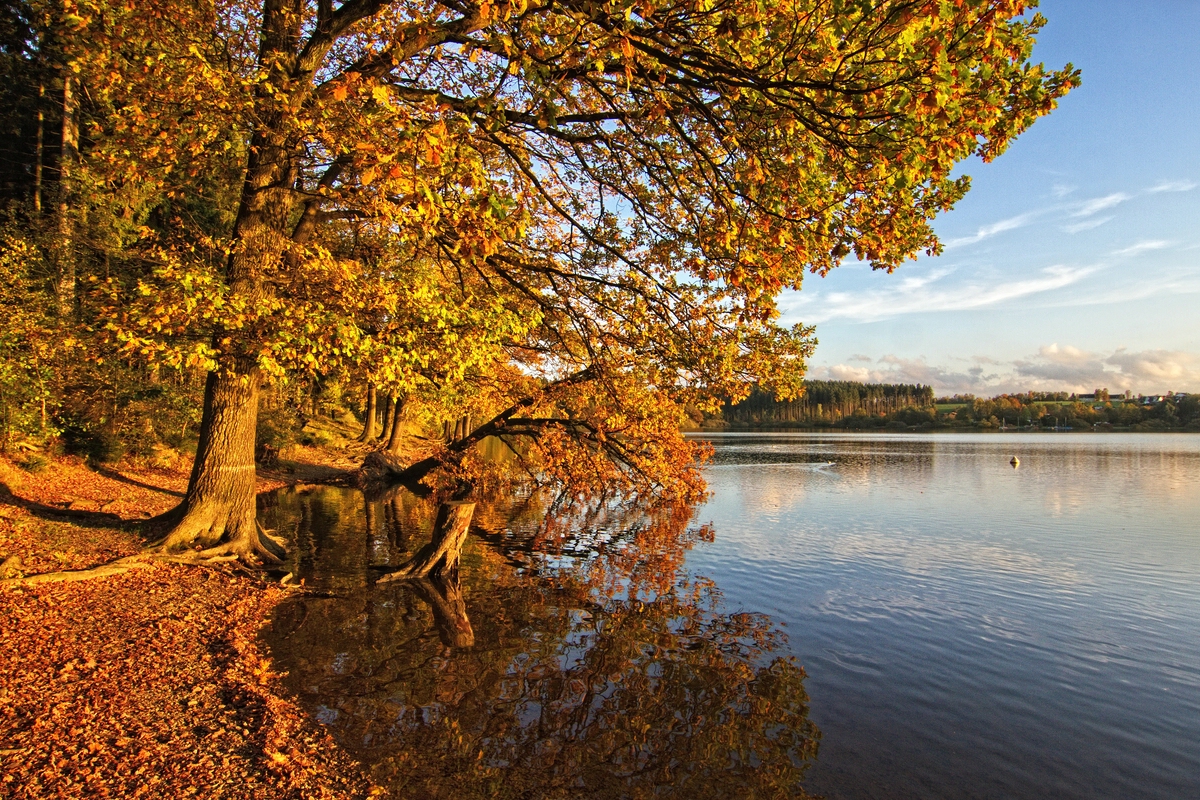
x=118 y=567
x=218 y=535
x=225 y=555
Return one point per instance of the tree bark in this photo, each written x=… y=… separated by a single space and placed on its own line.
x=39 y=148
x=368 y=434
x=389 y=408
x=393 y=442
x=69 y=154
x=218 y=508
x=441 y=556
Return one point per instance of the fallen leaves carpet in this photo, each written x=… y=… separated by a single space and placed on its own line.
x=151 y=684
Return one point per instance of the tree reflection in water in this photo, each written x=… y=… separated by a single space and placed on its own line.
x=594 y=671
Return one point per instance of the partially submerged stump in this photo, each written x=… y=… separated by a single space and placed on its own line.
x=449 y=610
x=440 y=557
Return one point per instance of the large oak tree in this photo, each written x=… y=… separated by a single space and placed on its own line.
x=588 y=208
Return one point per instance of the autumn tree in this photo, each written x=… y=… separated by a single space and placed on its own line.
x=607 y=196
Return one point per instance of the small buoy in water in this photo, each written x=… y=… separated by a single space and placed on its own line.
x=1016 y=462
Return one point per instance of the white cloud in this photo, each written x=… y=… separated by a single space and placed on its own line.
x=1056 y=367
x=920 y=294
x=988 y=231
x=1165 y=369
x=1086 y=225
x=1063 y=355
x=1142 y=247
x=1172 y=186
x=1099 y=204
x=842 y=372
x=892 y=369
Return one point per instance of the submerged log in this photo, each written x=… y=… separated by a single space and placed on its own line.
x=440 y=557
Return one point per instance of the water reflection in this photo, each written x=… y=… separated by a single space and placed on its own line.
x=574 y=659
x=971 y=630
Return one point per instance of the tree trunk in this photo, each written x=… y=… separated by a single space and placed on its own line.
x=389 y=408
x=393 y=442
x=39 y=148
x=368 y=434
x=218 y=512
x=65 y=261
x=440 y=557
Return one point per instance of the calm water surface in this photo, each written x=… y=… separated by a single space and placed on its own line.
x=968 y=629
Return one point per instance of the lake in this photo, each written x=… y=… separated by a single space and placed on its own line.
x=964 y=628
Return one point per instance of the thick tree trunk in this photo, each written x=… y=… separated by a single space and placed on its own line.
x=389 y=408
x=218 y=512
x=393 y=440
x=368 y=434
x=440 y=557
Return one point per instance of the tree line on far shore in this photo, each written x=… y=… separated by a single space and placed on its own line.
x=859 y=406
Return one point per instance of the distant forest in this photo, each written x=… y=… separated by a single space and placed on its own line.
x=829 y=402
x=863 y=406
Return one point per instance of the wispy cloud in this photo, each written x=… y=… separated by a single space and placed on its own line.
x=1142 y=247
x=1086 y=225
x=988 y=231
x=921 y=294
x=1099 y=204
x=1172 y=186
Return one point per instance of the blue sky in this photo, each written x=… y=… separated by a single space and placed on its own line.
x=1074 y=261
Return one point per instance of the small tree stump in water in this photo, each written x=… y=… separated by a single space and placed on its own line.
x=439 y=557
x=449 y=610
